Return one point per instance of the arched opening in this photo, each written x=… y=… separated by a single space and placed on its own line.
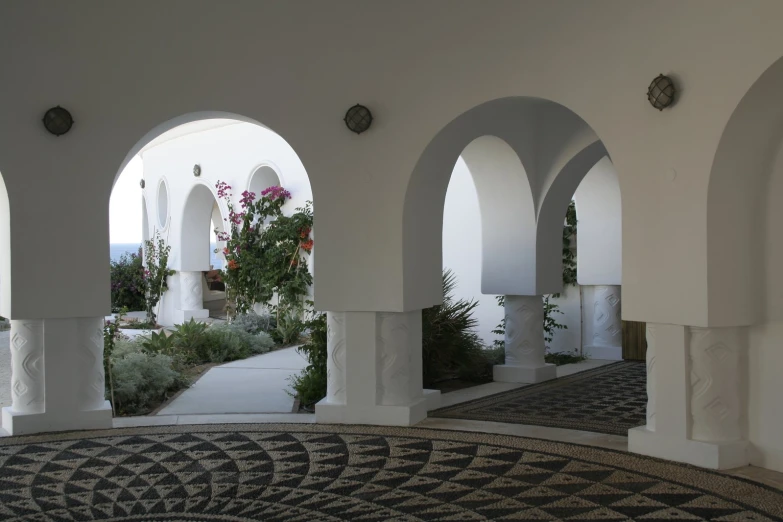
x=744 y=255
x=528 y=160
x=163 y=204
x=193 y=220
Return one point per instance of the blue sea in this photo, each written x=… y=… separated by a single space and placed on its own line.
x=116 y=250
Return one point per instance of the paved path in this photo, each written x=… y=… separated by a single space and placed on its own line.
x=5 y=369
x=254 y=385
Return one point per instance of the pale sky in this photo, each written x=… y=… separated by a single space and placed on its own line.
x=125 y=205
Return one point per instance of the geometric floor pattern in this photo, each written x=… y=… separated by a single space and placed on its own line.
x=610 y=399
x=360 y=473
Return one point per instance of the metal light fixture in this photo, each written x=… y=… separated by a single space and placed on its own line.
x=358 y=118
x=197 y=170
x=661 y=91
x=141 y=183
x=58 y=121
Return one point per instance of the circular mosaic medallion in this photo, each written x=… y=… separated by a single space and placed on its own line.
x=316 y=472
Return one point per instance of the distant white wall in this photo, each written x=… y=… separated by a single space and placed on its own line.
x=599 y=215
x=462 y=248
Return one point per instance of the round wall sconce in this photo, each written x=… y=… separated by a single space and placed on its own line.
x=358 y=118
x=661 y=91
x=142 y=184
x=197 y=170
x=58 y=121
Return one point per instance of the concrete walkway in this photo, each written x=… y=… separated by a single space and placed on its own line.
x=255 y=385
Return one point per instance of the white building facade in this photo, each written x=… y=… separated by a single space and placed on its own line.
x=560 y=84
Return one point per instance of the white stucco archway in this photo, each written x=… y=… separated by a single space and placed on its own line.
x=5 y=251
x=197 y=222
x=555 y=148
x=263 y=177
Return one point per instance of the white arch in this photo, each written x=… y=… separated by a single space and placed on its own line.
x=265 y=175
x=163 y=204
x=555 y=148
x=195 y=228
x=736 y=204
x=599 y=214
x=507 y=216
x=5 y=251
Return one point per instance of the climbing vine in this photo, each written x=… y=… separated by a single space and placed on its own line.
x=266 y=251
x=156 y=274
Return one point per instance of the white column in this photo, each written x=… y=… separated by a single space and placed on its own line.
x=57 y=376
x=605 y=335
x=191 y=297
x=524 y=342
x=374 y=369
x=696 y=378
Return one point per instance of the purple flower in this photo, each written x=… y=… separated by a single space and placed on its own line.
x=276 y=192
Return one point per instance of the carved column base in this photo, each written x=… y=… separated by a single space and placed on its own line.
x=57 y=376
x=374 y=370
x=603 y=334
x=696 y=410
x=191 y=297
x=28 y=423
x=524 y=340
x=712 y=455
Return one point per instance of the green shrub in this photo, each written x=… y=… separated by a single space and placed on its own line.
x=289 y=326
x=141 y=379
x=450 y=346
x=189 y=340
x=226 y=342
x=158 y=343
x=310 y=385
x=127 y=283
x=254 y=323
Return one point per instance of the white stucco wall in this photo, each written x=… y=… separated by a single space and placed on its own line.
x=599 y=214
x=462 y=248
x=765 y=412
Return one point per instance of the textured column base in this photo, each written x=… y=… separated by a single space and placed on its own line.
x=378 y=415
x=183 y=316
x=607 y=353
x=711 y=455
x=16 y=423
x=524 y=374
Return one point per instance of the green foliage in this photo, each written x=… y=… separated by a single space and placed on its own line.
x=266 y=251
x=135 y=324
x=289 y=325
x=254 y=323
x=310 y=385
x=156 y=274
x=158 y=343
x=225 y=342
x=141 y=379
x=450 y=346
x=128 y=285
x=561 y=358
x=550 y=323
x=189 y=339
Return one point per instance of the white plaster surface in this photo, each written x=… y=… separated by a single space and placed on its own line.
x=5 y=369
x=254 y=385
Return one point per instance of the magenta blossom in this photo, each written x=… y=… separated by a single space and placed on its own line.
x=247 y=198
x=276 y=192
x=223 y=189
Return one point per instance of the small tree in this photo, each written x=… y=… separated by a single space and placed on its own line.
x=266 y=252
x=156 y=274
x=128 y=286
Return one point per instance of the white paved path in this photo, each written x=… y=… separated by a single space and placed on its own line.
x=254 y=385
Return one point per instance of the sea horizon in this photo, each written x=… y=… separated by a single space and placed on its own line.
x=117 y=250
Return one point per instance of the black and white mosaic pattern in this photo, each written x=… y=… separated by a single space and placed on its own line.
x=312 y=473
x=610 y=399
